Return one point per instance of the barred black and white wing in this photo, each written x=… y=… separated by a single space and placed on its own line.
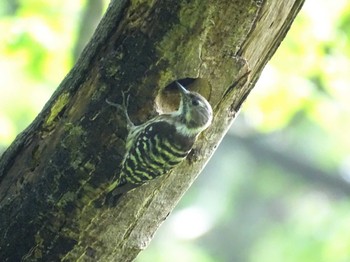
x=154 y=151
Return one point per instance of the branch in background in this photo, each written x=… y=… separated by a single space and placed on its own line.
x=91 y=17
x=296 y=164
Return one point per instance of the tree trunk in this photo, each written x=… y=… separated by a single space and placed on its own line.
x=54 y=176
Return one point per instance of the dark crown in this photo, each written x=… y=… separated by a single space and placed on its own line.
x=195 y=112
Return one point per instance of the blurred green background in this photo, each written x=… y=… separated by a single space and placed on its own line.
x=277 y=189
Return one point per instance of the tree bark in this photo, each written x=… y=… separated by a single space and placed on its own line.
x=55 y=174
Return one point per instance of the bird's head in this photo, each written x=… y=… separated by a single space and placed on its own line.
x=195 y=112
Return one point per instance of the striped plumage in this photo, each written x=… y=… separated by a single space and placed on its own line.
x=156 y=146
x=155 y=153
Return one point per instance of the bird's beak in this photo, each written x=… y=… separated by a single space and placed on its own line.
x=182 y=89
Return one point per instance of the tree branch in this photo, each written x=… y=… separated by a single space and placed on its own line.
x=54 y=176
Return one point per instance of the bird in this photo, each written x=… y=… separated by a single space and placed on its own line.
x=155 y=147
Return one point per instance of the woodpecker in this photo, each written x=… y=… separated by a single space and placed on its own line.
x=156 y=146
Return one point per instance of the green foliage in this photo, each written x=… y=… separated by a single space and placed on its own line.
x=272 y=194
x=35 y=56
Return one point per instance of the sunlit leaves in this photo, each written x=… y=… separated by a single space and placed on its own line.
x=37 y=38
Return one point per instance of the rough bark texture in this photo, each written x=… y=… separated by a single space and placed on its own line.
x=54 y=175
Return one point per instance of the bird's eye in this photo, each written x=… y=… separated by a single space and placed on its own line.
x=195 y=102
